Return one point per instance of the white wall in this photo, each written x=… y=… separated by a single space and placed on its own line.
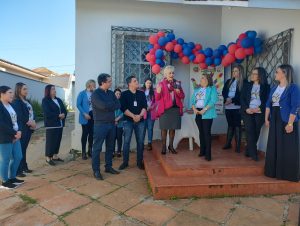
x=94 y=19
x=267 y=22
x=36 y=88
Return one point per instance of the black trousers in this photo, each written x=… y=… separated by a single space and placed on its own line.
x=53 y=139
x=282 y=156
x=25 y=139
x=87 y=133
x=119 y=138
x=253 y=124
x=204 y=127
x=233 y=117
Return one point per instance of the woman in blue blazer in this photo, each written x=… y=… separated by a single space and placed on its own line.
x=54 y=119
x=85 y=109
x=282 y=116
x=203 y=104
x=10 y=134
x=26 y=122
x=254 y=96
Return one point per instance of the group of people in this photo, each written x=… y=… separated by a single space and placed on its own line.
x=17 y=123
x=111 y=117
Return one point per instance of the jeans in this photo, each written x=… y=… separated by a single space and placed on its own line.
x=149 y=124
x=87 y=133
x=10 y=157
x=103 y=132
x=139 y=135
x=26 y=135
x=119 y=138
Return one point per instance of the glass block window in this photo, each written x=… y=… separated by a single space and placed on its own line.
x=129 y=49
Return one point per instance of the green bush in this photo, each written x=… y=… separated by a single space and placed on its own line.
x=37 y=109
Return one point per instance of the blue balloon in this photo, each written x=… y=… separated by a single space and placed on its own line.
x=208 y=52
x=257 y=49
x=252 y=34
x=217 y=61
x=225 y=52
x=171 y=36
x=162 y=41
x=159 y=54
x=239 y=61
x=167 y=39
x=247 y=42
x=180 y=41
x=187 y=51
x=174 y=55
x=191 y=45
x=184 y=45
x=217 y=53
x=150 y=46
x=222 y=47
x=201 y=51
x=257 y=42
x=162 y=64
x=158 y=61
x=192 y=57
x=209 y=61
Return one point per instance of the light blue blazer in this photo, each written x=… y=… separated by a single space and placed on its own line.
x=83 y=106
x=211 y=99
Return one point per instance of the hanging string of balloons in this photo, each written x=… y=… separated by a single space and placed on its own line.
x=247 y=44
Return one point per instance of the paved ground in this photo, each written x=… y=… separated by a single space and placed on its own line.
x=67 y=194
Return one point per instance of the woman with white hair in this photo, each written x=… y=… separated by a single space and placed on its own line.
x=86 y=117
x=169 y=96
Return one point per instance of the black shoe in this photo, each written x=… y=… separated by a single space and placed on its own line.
x=141 y=166
x=58 y=160
x=123 y=166
x=9 y=185
x=163 y=151
x=172 y=150
x=28 y=171
x=119 y=155
x=84 y=156
x=112 y=171
x=230 y=133
x=90 y=153
x=226 y=146
x=201 y=154
x=16 y=181
x=50 y=162
x=98 y=176
x=208 y=158
x=149 y=147
x=21 y=175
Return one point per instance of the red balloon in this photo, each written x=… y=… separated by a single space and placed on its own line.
x=203 y=65
x=174 y=42
x=152 y=62
x=177 y=48
x=152 y=57
x=240 y=53
x=169 y=46
x=153 y=39
x=185 y=60
x=198 y=46
x=161 y=34
x=152 y=51
x=148 y=57
x=224 y=62
x=181 y=54
x=232 y=48
x=229 y=58
x=242 y=36
x=156 y=69
x=196 y=61
x=239 y=43
x=195 y=51
x=249 y=51
x=156 y=46
x=200 y=57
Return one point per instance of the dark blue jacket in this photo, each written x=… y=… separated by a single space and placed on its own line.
x=7 y=133
x=246 y=96
x=51 y=112
x=237 y=98
x=289 y=102
x=22 y=113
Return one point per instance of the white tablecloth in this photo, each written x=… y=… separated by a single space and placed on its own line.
x=188 y=129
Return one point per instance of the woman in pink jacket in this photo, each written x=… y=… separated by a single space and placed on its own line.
x=169 y=97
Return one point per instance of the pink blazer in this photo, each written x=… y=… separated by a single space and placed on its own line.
x=164 y=99
x=153 y=108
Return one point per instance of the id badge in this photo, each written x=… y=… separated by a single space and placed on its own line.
x=135 y=103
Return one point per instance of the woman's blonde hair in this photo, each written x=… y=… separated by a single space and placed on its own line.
x=87 y=84
x=240 y=81
x=168 y=68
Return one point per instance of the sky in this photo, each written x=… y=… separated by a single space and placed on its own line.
x=38 y=33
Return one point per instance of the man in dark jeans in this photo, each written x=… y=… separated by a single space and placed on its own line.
x=134 y=105
x=104 y=103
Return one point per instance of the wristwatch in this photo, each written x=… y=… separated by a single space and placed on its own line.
x=290 y=124
x=205 y=108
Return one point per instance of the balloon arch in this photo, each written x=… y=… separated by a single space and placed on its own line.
x=247 y=44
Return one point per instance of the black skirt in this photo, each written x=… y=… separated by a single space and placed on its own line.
x=170 y=119
x=282 y=156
